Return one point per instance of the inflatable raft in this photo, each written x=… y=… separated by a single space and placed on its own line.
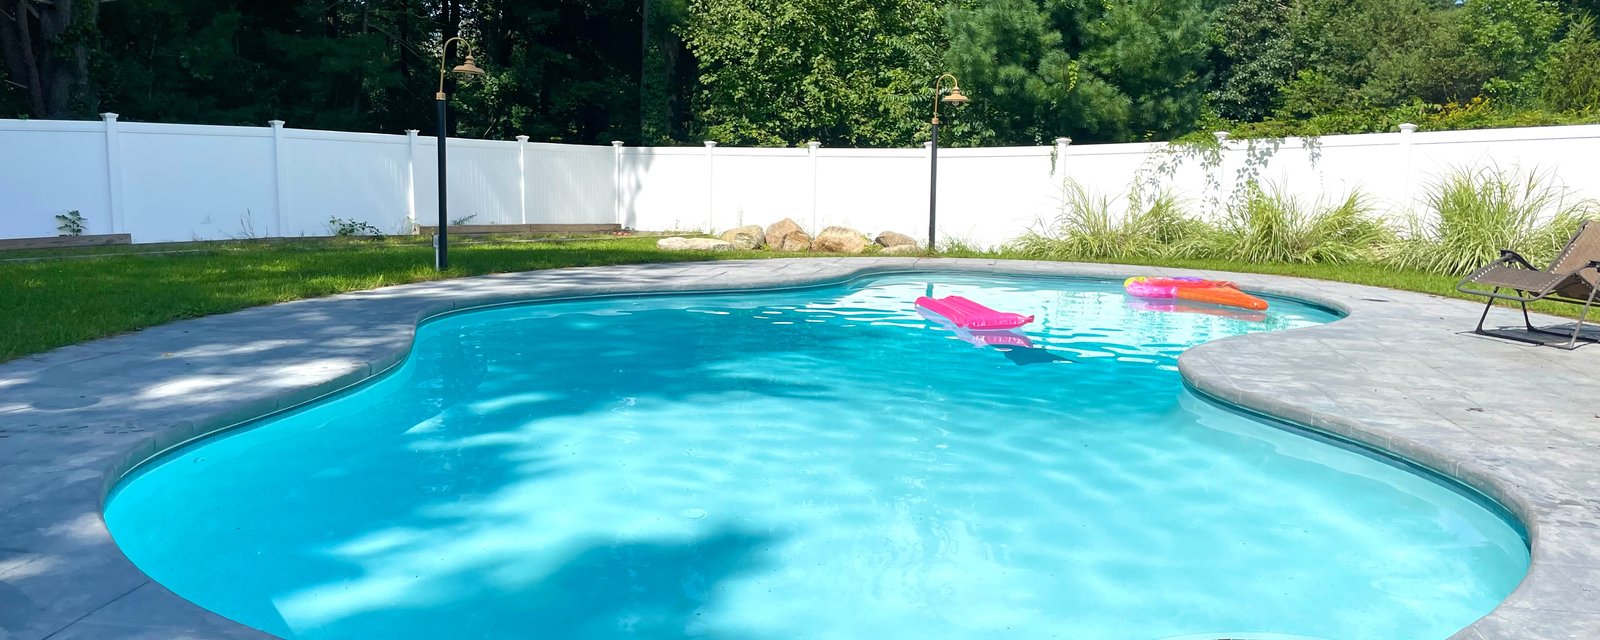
x=970 y=315
x=1217 y=292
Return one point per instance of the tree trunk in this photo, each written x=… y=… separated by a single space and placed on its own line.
x=46 y=47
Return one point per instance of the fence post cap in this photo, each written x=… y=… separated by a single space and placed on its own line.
x=616 y=143
x=522 y=138
x=1063 y=141
x=1222 y=136
x=1407 y=127
x=711 y=143
x=276 y=124
x=813 y=144
x=108 y=116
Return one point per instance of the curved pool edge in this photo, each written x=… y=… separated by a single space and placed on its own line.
x=1265 y=372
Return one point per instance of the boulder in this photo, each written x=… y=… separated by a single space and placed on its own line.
x=901 y=249
x=794 y=241
x=676 y=243
x=753 y=230
x=781 y=228
x=840 y=240
x=892 y=239
x=741 y=239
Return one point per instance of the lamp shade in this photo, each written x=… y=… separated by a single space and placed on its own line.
x=469 y=67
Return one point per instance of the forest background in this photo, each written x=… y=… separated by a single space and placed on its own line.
x=784 y=72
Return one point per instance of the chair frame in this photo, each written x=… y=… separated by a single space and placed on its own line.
x=1522 y=297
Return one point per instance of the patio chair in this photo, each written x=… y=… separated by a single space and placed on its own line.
x=1572 y=277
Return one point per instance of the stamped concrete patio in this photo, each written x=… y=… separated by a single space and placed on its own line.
x=1520 y=423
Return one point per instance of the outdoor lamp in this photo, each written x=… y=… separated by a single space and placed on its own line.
x=468 y=67
x=955 y=97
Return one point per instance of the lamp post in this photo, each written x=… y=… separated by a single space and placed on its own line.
x=955 y=98
x=441 y=258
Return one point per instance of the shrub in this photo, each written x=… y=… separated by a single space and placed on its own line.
x=1473 y=213
x=347 y=228
x=1087 y=229
x=1268 y=225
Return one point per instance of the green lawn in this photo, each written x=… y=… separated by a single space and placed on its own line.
x=73 y=296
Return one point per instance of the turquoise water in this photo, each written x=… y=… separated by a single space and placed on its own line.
x=820 y=463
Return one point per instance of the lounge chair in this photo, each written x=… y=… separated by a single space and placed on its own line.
x=1572 y=277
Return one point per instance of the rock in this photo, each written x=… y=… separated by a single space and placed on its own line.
x=892 y=239
x=781 y=228
x=753 y=230
x=840 y=240
x=794 y=241
x=741 y=239
x=901 y=249
x=676 y=243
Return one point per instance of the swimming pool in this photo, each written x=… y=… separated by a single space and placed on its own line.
x=819 y=463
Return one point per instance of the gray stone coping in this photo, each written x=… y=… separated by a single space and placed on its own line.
x=1518 y=422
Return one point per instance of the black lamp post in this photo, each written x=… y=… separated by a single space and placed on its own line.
x=441 y=258
x=955 y=97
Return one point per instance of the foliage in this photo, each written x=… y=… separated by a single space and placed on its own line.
x=70 y=223
x=782 y=72
x=344 y=228
x=1092 y=70
x=1253 y=56
x=1269 y=225
x=1085 y=227
x=1474 y=213
x=785 y=72
x=1568 y=78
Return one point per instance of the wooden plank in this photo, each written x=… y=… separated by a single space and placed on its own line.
x=479 y=229
x=66 y=241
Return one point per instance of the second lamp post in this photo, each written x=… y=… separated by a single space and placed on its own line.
x=441 y=257
x=955 y=97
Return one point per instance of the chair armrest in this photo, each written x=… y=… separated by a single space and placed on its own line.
x=1507 y=255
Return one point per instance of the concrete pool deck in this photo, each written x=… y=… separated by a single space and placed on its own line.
x=1520 y=423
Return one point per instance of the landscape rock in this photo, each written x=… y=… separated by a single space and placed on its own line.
x=755 y=232
x=901 y=249
x=676 y=243
x=892 y=239
x=794 y=241
x=751 y=237
x=781 y=228
x=840 y=240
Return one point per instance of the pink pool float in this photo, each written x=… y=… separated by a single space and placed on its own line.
x=970 y=315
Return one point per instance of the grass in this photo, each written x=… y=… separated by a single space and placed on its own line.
x=56 y=302
x=53 y=302
x=1473 y=213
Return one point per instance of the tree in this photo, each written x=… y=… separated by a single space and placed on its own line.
x=1091 y=69
x=1568 y=78
x=783 y=72
x=46 y=47
x=1253 y=57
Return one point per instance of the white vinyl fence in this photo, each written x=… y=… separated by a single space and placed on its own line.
x=162 y=182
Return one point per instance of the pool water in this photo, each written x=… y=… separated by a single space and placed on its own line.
x=816 y=463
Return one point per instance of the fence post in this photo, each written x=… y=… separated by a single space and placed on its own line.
x=1061 y=158
x=811 y=150
x=1406 y=129
x=711 y=188
x=616 y=184
x=411 y=178
x=280 y=179
x=114 y=174
x=522 y=175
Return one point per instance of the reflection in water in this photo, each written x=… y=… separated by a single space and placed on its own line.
x=1185 y=306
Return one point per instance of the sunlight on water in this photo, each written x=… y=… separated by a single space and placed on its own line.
x=824 y=463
